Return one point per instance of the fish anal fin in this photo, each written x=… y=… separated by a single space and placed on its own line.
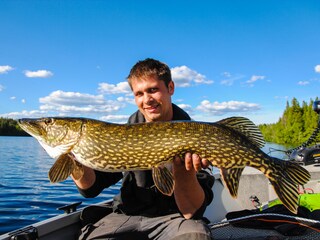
x=231 y=178
x=61 y=169
x=163 y=179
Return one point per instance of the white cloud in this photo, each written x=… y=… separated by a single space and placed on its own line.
x=303 y=83
x=119 y=88
x=227 y=82
x=1 y=88
x=317 y=68
x=188 y=108
x=38 y=74
x=253 y=79
x=60 y=103
x=226 y=74
x=5 y=69
x=126 y=100
x=217 y=108
x=115 y=118
x=24 y=114
x=78 y=103
x=13 y=98
x=184 y=77
x=71 y=98
x=23 y=101
x=281 y=97
x=229 y=79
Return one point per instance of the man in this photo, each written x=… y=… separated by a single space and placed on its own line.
x=140 y=210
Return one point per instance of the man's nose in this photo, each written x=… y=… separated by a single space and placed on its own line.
x=148 y=98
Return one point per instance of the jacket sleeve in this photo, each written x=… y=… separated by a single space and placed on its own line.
x=103 y=180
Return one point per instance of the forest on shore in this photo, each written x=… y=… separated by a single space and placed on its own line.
x=10 y=127
x=294 y=127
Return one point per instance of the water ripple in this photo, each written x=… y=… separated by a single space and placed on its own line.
x=26 y=194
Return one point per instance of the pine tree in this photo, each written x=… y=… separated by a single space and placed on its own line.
x=294 y=127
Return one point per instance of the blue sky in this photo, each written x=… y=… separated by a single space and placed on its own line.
x=228 y=58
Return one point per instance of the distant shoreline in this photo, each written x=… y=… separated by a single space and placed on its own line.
x=10 y=127
x=12 y=135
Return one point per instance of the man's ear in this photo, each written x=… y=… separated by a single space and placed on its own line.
x=171 y=87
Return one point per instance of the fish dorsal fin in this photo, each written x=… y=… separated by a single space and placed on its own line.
x=63 y=167
x=246 y=127
x=231 y=178
x=163 y=179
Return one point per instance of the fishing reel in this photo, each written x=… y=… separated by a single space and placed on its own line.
x=316 y=107
x=306 y=156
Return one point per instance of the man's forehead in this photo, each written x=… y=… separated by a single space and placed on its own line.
x=145 y=78
x=146 y=82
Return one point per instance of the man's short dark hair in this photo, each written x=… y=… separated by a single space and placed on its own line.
x=150 y=67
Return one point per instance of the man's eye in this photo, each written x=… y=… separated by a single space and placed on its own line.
x=153 y=90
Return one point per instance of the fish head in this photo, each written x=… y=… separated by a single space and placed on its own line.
x=56 y=135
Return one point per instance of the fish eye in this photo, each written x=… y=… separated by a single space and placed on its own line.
x=48 y=121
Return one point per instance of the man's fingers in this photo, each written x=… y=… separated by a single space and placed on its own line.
x=192 y=161
x=196 y=162
x=188 y=161
x=205 y=163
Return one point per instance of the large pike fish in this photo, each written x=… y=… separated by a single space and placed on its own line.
x=230 y=144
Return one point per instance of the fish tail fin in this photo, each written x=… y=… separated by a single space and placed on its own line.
x=296 y=173
x=64 y=166
x=287 y=192
x=285 y=180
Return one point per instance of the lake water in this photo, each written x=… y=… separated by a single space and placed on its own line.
x=26 y=194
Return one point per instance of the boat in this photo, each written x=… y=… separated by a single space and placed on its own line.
x=253 y=218
x=66 y=226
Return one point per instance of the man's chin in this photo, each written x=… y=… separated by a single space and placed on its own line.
x=153 y=117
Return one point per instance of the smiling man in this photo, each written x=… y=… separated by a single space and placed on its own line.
x=140 y=210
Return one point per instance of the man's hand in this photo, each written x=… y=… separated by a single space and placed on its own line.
x=192 y=161
x=188 y=192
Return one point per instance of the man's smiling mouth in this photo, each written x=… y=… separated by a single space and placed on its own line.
x=151 y=108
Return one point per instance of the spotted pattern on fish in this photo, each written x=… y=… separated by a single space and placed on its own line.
x=230 y=144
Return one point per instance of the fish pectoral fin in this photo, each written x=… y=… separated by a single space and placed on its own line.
x=61 y=169
x=163 y=179
x=77 y=171
x=231 y=178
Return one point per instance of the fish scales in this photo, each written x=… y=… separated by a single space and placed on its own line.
x=230 y=144
x=175 y=139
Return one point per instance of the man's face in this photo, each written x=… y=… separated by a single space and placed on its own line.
x=153 y=98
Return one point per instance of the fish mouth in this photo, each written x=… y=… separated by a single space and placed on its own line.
x=30 y=126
